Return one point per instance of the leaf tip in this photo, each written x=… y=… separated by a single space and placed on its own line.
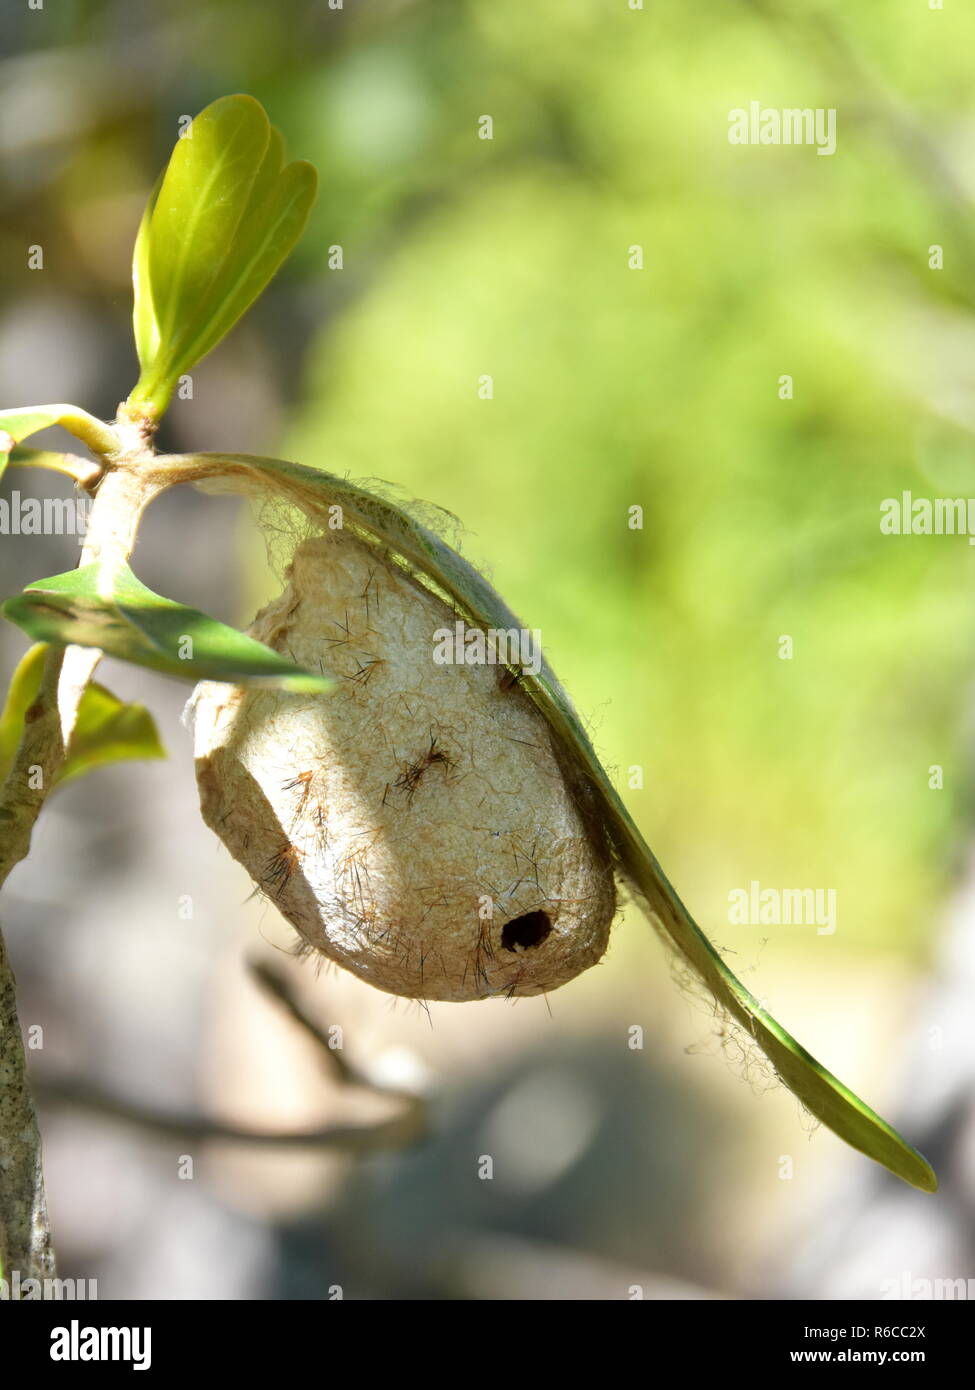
x=925 y=1177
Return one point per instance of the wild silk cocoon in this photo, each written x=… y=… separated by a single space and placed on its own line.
x=413 y=824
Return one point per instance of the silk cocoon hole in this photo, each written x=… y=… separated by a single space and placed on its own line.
x=414 y=824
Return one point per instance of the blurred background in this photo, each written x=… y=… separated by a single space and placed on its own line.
x=636 y=288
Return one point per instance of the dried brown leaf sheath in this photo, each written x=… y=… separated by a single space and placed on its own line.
x=414 y=824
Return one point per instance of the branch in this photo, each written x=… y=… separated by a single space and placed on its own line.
x=25 y=1239
x=397 y=1132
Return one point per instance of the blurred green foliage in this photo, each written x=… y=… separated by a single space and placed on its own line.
x=613 y=387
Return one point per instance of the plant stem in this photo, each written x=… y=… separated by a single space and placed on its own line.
x=25 y=1241
x=25 y=1237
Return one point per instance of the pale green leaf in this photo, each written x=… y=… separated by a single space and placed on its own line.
x=205 y=189
x=106 y=731
x=227 y=214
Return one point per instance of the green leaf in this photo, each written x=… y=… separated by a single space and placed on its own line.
x=113 y=611
x=226 y=215
x=205 y=188
x=109 y=731
x=106 y=731
x=16 y=425
x=380 y=522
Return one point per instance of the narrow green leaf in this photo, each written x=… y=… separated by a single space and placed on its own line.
x=88 y=607
x=24 y=685
x=107 y=730
x=226 y=216
x=378 y=521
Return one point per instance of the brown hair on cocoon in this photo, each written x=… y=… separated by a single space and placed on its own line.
x=414 y=824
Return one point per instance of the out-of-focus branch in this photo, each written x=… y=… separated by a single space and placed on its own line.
x=278 y=986
x=403 y=1129
x=395 y=1133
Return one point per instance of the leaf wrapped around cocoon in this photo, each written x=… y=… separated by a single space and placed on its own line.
x=392 y=532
